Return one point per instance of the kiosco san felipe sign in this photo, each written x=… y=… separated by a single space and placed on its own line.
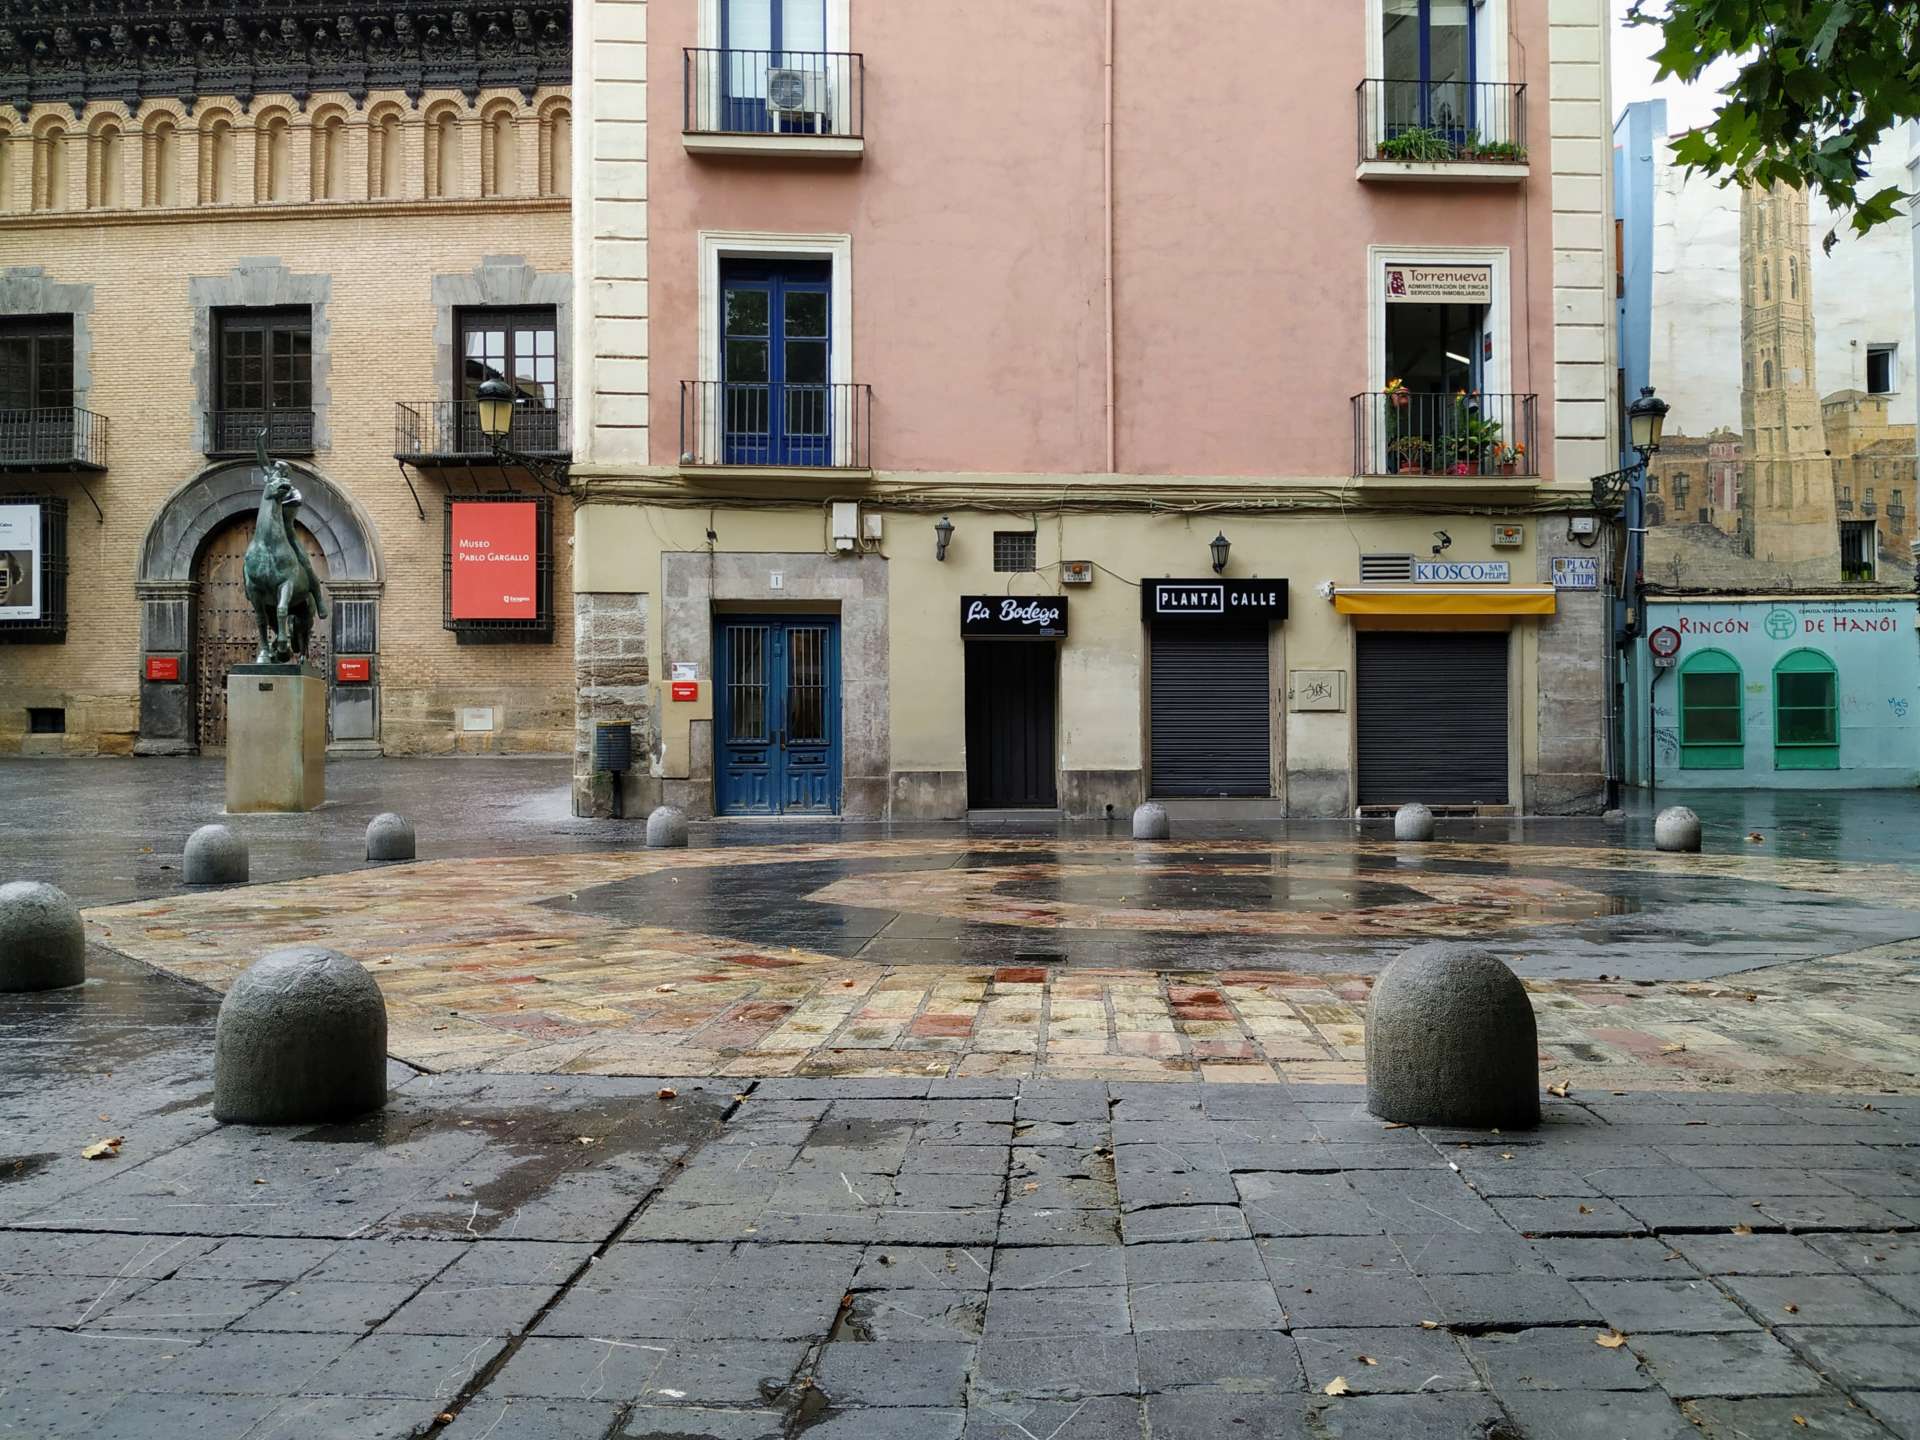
x=495 y=572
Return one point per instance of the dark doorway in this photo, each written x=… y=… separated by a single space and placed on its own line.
x=226 y=631
x=1010 y=721
x=1431 y=717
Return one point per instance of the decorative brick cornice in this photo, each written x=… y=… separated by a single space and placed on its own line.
x=73 y=51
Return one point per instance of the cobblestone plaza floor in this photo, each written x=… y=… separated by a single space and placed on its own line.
x=916 y=1131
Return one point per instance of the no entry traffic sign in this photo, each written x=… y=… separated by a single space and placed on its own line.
x=1664 y=642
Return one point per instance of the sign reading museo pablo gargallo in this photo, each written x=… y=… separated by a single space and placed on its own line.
x=1013 y=617
x=1213 y=600
x=496 y=574
x=20 y=593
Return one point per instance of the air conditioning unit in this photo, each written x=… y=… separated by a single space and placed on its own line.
x=796 y=92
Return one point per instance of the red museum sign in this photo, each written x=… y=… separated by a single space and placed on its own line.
x=353 y=671
x=163 y=667
x=495 y=570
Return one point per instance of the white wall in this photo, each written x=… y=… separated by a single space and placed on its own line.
x=1863 y=293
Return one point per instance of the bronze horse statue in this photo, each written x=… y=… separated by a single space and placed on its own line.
x=281 y=584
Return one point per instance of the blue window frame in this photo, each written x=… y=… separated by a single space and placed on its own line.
x=760 y=37
x=776 y=362
x=1429 y=49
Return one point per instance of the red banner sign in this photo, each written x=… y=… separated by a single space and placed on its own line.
x=686 y=689
x=496 y=574
x=163 y=667
x=353 y=671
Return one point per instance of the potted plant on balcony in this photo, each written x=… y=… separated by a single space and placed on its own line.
x=1509 y=458
x=1417 y=144
x=1501 y=152
x=1410 y=455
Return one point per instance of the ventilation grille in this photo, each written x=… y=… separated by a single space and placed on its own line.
x=1382 y=568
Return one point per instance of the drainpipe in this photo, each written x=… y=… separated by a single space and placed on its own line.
x=1107 y=206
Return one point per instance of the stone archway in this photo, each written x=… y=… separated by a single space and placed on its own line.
x=169 y=595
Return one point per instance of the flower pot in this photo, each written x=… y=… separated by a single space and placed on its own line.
x=1507 y=467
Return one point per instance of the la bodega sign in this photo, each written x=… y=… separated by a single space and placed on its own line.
x=1013 y=617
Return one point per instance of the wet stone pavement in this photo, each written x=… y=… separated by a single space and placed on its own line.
x=1019 y=1133
x=530 y=1257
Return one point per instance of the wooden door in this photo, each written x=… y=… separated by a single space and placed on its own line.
x=226 y=633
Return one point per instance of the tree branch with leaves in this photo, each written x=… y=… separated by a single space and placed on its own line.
x=1820 y=83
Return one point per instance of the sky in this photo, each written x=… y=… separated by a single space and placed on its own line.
x=1633 y=71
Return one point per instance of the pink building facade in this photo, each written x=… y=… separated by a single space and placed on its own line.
x=887 y=309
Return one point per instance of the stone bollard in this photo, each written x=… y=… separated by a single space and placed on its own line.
x=215 y=856
x=43 y=945
x=390 y=837
x=666 y=828
x=1451 y=1041
x=1676 y=829
x=1150 y=822
x=1413 y=822
x=301 y=1040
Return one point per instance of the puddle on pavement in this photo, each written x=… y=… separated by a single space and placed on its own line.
x=24 y=1167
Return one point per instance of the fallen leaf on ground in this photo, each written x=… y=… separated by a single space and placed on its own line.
x=1586 y=1209
x=1337 y=1386
x=1671 y=1049
x=1506 y=1154
x=1394 y=1125
x=258 y=1180
x=664 y=989
x=1792 y=1309
x=667 y=1092
x=1366 y=1360
x=1429 y=1324
x=1560 y=1090
x=1800 y=1420
x=1743 y=1229
x=586 y=1139
x=1754 y=837
x=1610 y=1339
x=107 y=1149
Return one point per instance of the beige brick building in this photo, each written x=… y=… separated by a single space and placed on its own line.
x=358 y=218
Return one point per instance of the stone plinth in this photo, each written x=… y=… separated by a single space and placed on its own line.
x=276 y=738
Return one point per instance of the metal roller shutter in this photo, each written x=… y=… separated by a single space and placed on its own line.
x=1431 y=717
x=1209 y=710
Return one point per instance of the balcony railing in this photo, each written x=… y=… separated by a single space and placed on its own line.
x=60 y=438
x=1442 y=122
x=725 y=422
x=816 y=94
x=1869 y=508
x=1400 y=432
x=427 y=432
x=1897 y=516
x=234 y=432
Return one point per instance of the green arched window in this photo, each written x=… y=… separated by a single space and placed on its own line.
x=1712 y=729
x=1806 y=712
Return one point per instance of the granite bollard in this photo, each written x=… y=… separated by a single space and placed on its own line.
x=1413 y=822
x=666 y=828
x=390 y=837
x=1150 y=822
x=1451 y=1040
x=43 y=945
x=1677 y=829
x=301 y=1040
x=215 y=856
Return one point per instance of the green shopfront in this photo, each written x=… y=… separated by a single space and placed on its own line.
x=1778 y=692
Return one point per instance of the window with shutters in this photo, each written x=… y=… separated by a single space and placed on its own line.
x=263 y=369
x=1712 y=733
x=1806 y=715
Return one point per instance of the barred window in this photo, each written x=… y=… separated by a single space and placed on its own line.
x=1014 y=550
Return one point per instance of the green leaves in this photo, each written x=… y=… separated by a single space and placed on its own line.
x=1820 y=83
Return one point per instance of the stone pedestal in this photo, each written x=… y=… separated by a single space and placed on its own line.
x=276 y=738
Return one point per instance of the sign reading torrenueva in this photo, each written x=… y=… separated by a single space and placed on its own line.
x=1213 y=600
x=1013 y=617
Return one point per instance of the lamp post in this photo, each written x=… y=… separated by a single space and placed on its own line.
x=942 y=537
x=495 y=403
x=1627 y=488
x=1220 y=547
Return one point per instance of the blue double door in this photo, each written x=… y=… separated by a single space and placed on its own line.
x=777 y=342
x=777 y=715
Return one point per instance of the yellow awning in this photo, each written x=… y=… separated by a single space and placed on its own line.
x=1445 y=600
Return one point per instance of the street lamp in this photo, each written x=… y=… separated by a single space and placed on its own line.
x=495 y=402
x=942 y=537
x=1220 y=547
x=1646 y=418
